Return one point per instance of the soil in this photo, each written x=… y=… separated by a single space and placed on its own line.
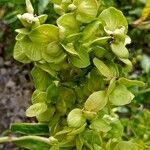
x=15 y=93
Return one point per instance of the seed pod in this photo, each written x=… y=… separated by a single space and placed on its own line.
x=96 y=101
x=75 y=118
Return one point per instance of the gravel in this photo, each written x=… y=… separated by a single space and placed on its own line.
x=15 y=93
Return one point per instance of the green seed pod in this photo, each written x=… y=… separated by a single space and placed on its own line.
x=96 y=101
x=75 y=118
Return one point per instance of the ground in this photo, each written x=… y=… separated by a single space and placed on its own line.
x=15 y=93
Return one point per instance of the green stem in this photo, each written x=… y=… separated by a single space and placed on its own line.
x=5 y=139
x=142 y=91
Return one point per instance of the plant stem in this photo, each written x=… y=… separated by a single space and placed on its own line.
x=142 y=91
x=5 y=139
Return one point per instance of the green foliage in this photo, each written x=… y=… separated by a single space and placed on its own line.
x=81 y=67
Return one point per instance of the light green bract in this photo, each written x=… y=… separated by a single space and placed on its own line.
x=80 y=67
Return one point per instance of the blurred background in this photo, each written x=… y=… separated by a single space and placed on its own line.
x=15 y=80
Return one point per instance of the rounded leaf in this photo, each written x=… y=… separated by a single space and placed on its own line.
x=103 y=68
x=67 y=25
x=120 y=96
x=120 y=50
x=38 y=97
x=126 y=145
x=86 y=10
x=113 y=19
x=53 y=53
x=45 y=33
x=100 y=125
x=36 y=109
x=19 y=53
x=129 y=83
x=96 y=101
x=75 y=118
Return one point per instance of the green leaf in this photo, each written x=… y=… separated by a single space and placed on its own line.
x=41 y=78
x=45 y=33
x=100 y=125
x=36 y=109
x=61 y=107
x=82 y=61
x=127 y=82
x=20 y=36
x=47 y=115
x=23 y=31
x=120 y=50
x=42 y=18
x=52 y=93
x=90 y=138
x=19 y=53
x=96 y=101
x=54 y=53
x=32 y=142
x=113 y=19
x=111 y=86
x=70 y=49
x=30 y=128
x=38 y=97
x=32 y=50
x=86 y=10
x=98 y=51
x=103 y=68
x=47 y=68
x=90 y=30
x=121 y=96
x=101 y=41
x=78 y=130
x=29 y=7
x=126 y=145
x=128 y=64
x=75 y=118
x=116 y=128
x=67 y=25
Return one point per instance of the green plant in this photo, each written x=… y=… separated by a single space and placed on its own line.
x=80 y=73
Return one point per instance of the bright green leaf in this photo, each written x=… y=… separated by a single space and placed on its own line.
x=41 y=79
x=100 y=125
x=96 y=101
x=42 y=18
x=82 y=61
x=121 y=96
x=52 y=93
x=36 y=109
x=113 y=19
x=86 y=10
x=67 y=25
x=38 y=97
x=19 y=53
x=126 y=145
x=46 y=116
x=120 y=50
x=103 y=68
x=54 y=53
x=32 y=50
x=45 y=33
x=75 y=118
x=127 y=82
